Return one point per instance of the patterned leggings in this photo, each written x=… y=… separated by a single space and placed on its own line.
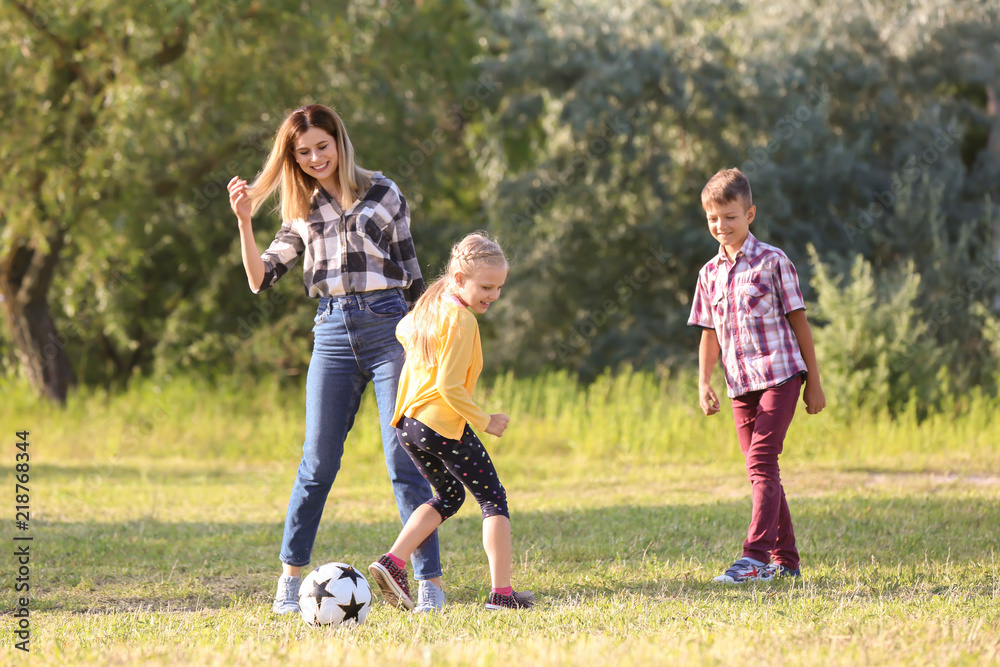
x=448 y=464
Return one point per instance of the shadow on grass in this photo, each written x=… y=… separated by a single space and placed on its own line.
x=882 y=474
x=874 y=545
x=131 y=471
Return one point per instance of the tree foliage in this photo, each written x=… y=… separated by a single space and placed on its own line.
x=870 y=337
x=614 y=117
x=132 y=117
x=580 y=132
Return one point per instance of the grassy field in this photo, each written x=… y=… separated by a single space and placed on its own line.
x=157 y=515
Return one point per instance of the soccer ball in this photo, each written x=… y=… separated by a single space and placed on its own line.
x=334 y=594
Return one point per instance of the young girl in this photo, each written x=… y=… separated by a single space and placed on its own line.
x=352 y=227
x=435 y=414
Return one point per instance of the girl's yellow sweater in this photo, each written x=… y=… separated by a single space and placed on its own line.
x=441 y=397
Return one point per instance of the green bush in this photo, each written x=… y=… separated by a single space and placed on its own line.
x=873 y=350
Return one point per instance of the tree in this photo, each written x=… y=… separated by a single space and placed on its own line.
x=580 y=132
x=130 y=118
x=616 y=116
x=54 y=118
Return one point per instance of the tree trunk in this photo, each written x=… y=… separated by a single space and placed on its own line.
x=25 y=275
x=41 y=350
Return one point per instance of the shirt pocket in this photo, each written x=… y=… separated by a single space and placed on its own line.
x=367 y=226
x=719 y=304
x=756 y=300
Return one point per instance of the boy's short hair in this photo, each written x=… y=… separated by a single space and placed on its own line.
x=726 y=186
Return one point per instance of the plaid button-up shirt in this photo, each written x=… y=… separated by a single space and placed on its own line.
x=746 y=302
x=366 y=248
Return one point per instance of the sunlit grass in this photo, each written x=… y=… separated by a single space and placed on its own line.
x=628 y=413
x=157 y=516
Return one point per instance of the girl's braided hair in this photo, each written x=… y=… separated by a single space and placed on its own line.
x=473 y=250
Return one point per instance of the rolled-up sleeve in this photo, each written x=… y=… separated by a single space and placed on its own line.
x=280 y=256
x=403 y=252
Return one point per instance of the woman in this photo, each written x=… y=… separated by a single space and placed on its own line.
x=351 y=226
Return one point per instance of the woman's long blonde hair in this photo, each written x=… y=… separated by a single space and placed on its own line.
x=296 y=186
x=467 y=255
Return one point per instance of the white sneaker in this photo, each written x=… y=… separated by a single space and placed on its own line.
x=429 y=598
x=286 y=598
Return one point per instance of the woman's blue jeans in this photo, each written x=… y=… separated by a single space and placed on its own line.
x=355 y=342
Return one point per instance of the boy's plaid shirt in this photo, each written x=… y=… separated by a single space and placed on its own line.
x=746 y=303
x=367 y=248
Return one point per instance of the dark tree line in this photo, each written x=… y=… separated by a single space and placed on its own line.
x=579 y=132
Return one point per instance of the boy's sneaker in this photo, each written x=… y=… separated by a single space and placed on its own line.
x=743 y=571
x=286 y=598
x=429 y=597
x=497 y=602
x=782 y=571
x=391 y=580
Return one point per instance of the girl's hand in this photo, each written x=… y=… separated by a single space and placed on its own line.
x=498 y=424
x=708 y=400
x=239 y=201
x=813 y=397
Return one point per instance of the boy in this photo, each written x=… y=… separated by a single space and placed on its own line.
x=750 y=308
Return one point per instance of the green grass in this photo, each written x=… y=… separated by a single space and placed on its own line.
x=157 y=516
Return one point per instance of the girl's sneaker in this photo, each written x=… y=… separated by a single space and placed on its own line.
x=497 y=602
x=391 y=580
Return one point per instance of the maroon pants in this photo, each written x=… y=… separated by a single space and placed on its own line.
x=762 y=419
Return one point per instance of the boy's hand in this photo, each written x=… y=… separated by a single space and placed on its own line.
x=708 y=400
x=813 y=397
x=498 y=424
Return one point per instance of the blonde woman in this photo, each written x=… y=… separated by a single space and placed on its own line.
x=435 y=414
x=351 y=227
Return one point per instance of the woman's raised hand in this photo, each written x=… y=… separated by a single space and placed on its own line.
x=239 y=200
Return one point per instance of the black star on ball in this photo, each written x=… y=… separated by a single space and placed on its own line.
x=348 y=572
x=351 y=610
x=318 y=592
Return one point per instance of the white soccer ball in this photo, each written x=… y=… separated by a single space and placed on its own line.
x=334 y=594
